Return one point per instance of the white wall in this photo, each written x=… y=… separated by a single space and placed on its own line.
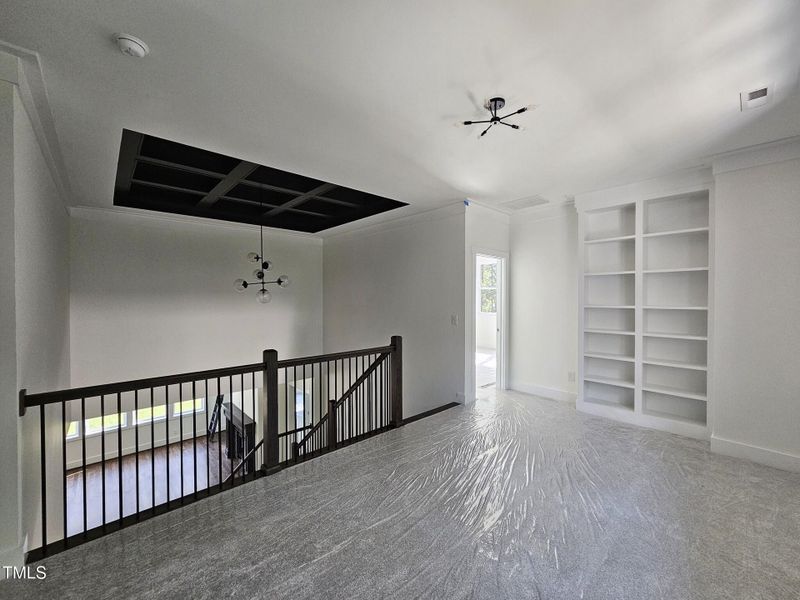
x=757 y=314
x=36 y=320
x=485 y=230
x=153 y=296
x=405 y=278
x=9 y=491
x=544 y=302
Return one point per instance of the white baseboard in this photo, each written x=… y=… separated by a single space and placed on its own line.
x=764 y=456
x=545 y=392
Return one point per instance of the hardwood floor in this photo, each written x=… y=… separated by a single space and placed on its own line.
x=181 y=467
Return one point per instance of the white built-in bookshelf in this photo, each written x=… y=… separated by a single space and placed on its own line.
x=644 y=309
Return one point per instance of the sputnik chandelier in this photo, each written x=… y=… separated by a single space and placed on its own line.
x=263 y=295
x=493 y=105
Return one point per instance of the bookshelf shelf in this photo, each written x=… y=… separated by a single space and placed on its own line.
x=645 y=309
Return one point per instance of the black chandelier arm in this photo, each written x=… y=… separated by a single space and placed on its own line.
x=509 y=125
x=516 y=112
x=261 y=282
x=483 y=133
x=477 y=122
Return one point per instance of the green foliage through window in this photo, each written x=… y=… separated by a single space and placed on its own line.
x=489 y=288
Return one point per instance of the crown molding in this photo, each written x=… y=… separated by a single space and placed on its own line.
x=545 y=211
x=115 y=213
x=33 y=94
x=680 y=182
x=758 y=155
x=434 y=214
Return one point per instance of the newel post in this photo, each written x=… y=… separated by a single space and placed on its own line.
x=270 y=411
x=332 y=426
x=397 y=381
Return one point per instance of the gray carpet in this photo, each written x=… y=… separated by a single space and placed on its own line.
x=517 y=497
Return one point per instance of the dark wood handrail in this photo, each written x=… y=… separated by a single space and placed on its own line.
x=92 y=391
x=296 y=362
x=349 y=392
x=135 y=384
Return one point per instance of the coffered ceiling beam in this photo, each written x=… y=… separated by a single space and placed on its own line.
x=231 y=180
x=325 y=187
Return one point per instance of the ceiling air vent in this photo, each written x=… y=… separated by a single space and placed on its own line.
x=521 y=203
x=756 y=98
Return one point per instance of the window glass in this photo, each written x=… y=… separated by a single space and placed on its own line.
x=143 y=415
x=73 y=430
x=108 y=423
x=489 y=288
x=187 y=407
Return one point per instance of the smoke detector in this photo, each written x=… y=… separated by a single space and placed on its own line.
x=131 y=45
x=757 y=97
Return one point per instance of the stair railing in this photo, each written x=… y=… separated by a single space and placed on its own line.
x=114 y=454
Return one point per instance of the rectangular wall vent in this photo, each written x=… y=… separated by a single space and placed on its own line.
x=755 y=98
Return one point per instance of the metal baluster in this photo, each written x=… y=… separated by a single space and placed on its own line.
x=152 y=455
x=64 y=464
x=244 y=427
x=180 y=431
x=286 y=400
x=136 y=443
x=349 y=399
x=194 y=437
x=208 y=452
x=219 y=438
x=42 y=461
x=82 y=427
x=231 y=434
x=119 y=453
x=166 y=445
x=103 y=454
x=255 y=425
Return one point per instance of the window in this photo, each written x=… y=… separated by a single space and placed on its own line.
x=188 y=407
x=110 y=422
x=143 y=415
x=73 y=431
x=489 y=288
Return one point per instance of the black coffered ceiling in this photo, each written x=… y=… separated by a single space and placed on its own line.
x=157 y=174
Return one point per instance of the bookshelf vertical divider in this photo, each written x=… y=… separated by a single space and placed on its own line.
x=644 y=304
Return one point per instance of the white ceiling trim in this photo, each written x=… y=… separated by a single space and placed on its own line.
x=122 y=212
x=33 y=93
x=755 y=156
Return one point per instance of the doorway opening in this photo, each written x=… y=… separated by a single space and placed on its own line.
x=488 y=319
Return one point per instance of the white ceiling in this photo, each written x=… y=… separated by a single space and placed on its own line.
x=368 y=94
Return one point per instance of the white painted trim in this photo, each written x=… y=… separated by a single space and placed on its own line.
x=98 y=213
x=503 y=211
x=764 y=456
x=544 y=392
x=758 y=155
x=9 y=68
x=441 y=212
x=543 y=212
x=689 y=180
x=33 y=94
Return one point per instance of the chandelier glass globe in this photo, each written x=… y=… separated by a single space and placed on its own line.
x=240 y=285
x=284 y=281
x=263 y=296
x=253 y=257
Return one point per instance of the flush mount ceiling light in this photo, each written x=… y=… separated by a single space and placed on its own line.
x=493 y=105
x=263 y=295
x=131 y=45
